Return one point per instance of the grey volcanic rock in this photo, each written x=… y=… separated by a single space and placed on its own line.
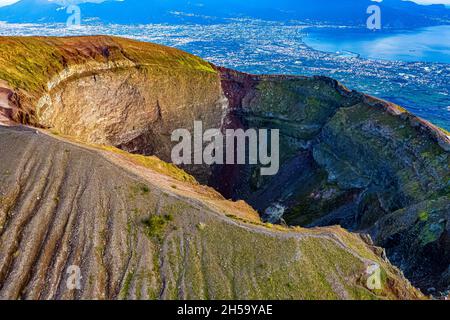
x=136 y=233
x=346 y=158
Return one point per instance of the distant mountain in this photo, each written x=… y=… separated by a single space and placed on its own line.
x=395 y=13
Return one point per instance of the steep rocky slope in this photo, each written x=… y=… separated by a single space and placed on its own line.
x=145 y=230
x=134 y=94
x=347 y=158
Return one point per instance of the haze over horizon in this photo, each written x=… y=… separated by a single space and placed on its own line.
x=426 y=2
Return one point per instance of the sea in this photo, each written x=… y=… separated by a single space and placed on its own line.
x=408 y=67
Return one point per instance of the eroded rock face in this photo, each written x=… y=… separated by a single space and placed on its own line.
x=346 y=158
x=124 y=231
x=8 y=107
x=134 y=109
x=417 y=239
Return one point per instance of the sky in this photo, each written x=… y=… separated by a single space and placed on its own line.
x=5 y=2
x=447 y=2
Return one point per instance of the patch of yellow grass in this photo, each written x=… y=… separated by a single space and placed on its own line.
x=153 y=163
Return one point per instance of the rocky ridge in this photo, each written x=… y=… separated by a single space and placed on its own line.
x=347 y=158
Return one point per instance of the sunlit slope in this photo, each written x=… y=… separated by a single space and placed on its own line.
x=135 y=233
x=346 y=158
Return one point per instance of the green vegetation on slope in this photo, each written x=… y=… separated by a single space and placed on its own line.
x=156 y=244
x=28 y=64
